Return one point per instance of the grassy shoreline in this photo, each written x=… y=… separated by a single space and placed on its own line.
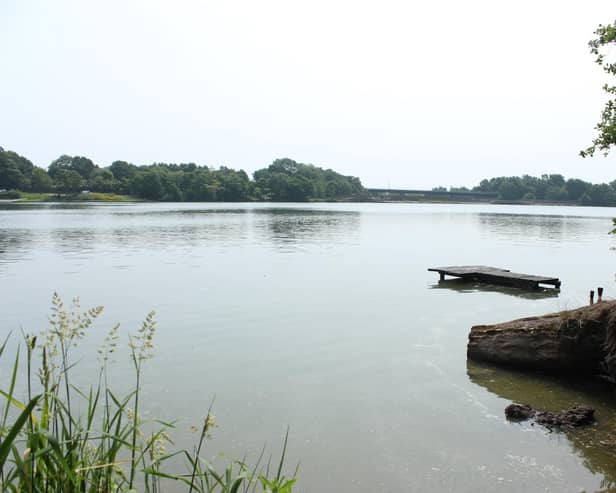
x=53 y=197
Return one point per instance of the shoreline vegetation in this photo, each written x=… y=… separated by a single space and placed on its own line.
x=77 y=178
x=59 y=437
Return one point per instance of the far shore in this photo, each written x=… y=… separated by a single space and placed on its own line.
x=32 y=197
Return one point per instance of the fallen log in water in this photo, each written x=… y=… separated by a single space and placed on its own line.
x=581 y=341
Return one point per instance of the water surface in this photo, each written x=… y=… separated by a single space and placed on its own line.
x=324 y=317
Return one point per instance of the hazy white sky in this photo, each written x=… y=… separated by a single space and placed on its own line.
x=401 y=93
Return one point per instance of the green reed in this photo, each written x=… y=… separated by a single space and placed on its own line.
x=46 y=445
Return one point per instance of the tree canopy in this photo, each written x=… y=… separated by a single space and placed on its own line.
x=288 y=180
x=550 y=188
x=283 y=180
x=604 y=48
x=15 y=171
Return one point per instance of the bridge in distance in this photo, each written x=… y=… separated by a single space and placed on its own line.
x=432 y=194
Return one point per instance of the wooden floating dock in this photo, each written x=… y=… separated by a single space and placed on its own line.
x=494 y=275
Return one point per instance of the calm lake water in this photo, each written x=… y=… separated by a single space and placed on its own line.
x=323 y=317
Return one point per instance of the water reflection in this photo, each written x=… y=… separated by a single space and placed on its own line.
x=527 y=226
x=182 y=212
x=289 y=227
x=70 y=240
x=181 y=236
x=36 y=206
x=464 y=286
x=15 y=244
x=129 y=230
x=596 y=444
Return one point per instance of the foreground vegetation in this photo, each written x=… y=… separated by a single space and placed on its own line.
x=67 y=439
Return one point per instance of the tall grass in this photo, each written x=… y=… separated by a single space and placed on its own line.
x=63 y=438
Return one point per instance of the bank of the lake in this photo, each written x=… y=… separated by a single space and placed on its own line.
x=17 y=196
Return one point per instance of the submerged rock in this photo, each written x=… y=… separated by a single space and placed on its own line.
x=580 y=342
x=570 y=418
x=519 y=412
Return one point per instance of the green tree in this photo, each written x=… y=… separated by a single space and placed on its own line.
x=606 y=128
x=554 y=180
x=602 y=194
x=576 y=188
x=122 y=170
x=511 y=188
x=149 y=186
x=557 y=194
x=69 y=181
x=79 y=164
x=11 y=178
x=15 y=171
x=101 y=180
x=585 y=199
x=83 y=166
x=288 y=180
x=40 y=181
x=57 y=165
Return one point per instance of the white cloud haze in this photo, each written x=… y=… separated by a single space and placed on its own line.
x=405 y=93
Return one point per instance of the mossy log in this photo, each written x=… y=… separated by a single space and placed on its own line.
x=580 y=341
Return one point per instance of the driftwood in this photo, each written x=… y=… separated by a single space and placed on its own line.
x=580 y=342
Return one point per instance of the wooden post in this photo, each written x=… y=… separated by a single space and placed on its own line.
x=442 y=276
x=599 y=294
x=592 y=296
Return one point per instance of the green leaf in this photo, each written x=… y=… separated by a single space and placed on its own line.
x=5 y=447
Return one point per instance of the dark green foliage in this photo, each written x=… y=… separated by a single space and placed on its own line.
x=189 y=182
x=10 y=194
x=122 y=170
x=40 y=182
x=102 y=180
x=602 y=47
x=602 y=194
x=15 y=171
x=79 y=164
x=529 y=197
x=511 y=189
x=69 y=181
x=576 y=188
x=147 y=185
x=71 y=174
x=288 y=180
x=551 y=188
x=283 y=180
x=556 y=194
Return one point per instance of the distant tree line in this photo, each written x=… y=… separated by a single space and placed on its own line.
x=549 y=188
x=283 y=180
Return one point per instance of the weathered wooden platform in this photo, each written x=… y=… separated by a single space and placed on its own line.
x=495 y=275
